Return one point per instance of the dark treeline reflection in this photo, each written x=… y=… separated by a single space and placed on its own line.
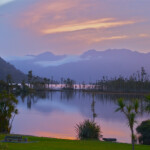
x=71 y=95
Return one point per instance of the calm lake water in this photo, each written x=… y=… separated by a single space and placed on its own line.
x=55 y=114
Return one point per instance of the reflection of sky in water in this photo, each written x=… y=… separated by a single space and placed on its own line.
x=57 y=116
x=46 y=106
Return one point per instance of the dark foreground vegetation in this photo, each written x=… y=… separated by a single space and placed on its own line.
x=144 y=130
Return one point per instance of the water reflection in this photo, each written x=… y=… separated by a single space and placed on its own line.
x=55 y=114
x=94 y=115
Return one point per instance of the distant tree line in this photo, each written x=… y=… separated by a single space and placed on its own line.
x=138 y=82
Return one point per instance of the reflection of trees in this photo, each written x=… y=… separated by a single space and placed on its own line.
x=128 y=98
x=7 y=111
x=29 y=101
x=68 y=94
x=32 y=98
x=71 y=94
x=94 y=115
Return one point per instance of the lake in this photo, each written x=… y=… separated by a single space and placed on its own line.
x=55 y=114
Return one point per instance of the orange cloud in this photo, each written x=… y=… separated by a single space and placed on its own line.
x=57 y=16
x=93 y=24
x=144 y=35
x=46 y=12
x=109 y=38
x=89 y=38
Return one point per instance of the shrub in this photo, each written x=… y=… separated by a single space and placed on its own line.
x=88 y=130
x=144 y=130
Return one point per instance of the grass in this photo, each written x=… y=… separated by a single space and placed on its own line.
x=60 y=144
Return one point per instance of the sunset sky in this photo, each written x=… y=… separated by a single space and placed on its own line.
x=73 y=26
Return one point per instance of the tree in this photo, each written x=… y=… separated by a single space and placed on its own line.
x=9 y=82
x=130 y=111
x=83 y=85
x=144 y=130
x=30 y=76
x=9 y=79
x=48 y=82
x=143 y=74
x=45 y=82
x=62 y=81
x=88 y=130
x=69 y=84
x=147 y=106
x=7 y=111
x=3 y=86
x=25 y=88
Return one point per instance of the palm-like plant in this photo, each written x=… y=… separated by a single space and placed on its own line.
x=130 y=111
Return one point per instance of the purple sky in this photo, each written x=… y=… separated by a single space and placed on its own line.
x=73 y=26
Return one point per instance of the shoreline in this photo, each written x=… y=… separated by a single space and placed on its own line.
x=97 y=92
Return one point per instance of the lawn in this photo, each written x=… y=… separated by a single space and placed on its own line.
x=59 y=144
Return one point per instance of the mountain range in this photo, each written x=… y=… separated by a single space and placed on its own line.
x=7 y=68
x=88 y=67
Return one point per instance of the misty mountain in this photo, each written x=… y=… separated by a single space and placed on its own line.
x=6 y=68
x=89 y=66
x=46 y=56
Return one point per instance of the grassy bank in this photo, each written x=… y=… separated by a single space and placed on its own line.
x=59 y=144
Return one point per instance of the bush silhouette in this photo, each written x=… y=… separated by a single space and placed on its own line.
x=88 y=130
x=144 y=130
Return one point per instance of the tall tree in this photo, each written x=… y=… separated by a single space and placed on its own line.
x=143 y=74
x=45 y=82
x=9 y=79
x=130 y=111
x=9 y=82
